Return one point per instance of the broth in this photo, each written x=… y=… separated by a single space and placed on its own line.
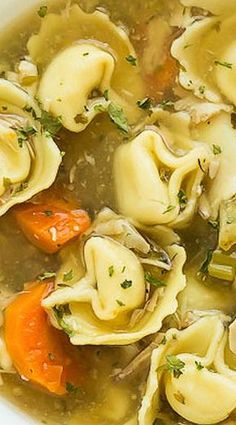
x=86 y=174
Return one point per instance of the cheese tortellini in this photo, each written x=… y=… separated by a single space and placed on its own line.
x=29 y=159
x=195 y=370
x=158 y=175
x=85 y=68
x=127 y=287
x=207 y=52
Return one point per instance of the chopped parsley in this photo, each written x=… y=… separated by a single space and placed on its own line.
x=153 y=280
x=223 y=63
x=106 y=95
x=51 y=125
x=206 y=262
x=174 y=365
x=72 y=389
x=21 y=187
x=214 y=224
x=132 y=60
x=111 y=271
x=169 y=209
x=164 y=340
x=61 y=311
x=202 y=89
x=23 y=134
x=99 y=108
x=126 y=284
x=118 y=117
x=145 y=103
x=48 y=213
x=6 y=183
x=68 y=276
x=86 y=54
x=199 y=365
x=42 y=12
x=122 y=271
x=216 y=149
x=166 y=104
x=183 y=200
x=46 y=275
x=120 y=303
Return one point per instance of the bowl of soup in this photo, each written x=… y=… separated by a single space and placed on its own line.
x=117 y=212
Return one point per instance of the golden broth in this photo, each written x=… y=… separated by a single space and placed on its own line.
x=86 y=174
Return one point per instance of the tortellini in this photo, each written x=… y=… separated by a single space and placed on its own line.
x=158 y=175
x=207 y=52
x=129 y=285
x=219 y=133
x=195 y=370
x=89 y=58
x=29 y=159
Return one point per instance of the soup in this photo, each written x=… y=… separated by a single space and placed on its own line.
x=117 y=228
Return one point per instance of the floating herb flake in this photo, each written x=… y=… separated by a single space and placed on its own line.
x=225 y=64
x=183 y=200
x=216 y=149
x=132 y=60
x=153 y=280
x=51 y=125
x=126 y=284
x=145 y=103
x=120 y=303
x=111 y=271
x=72 y=389
x=68 y=276
x=169 y=209
x=175 y=365
x=206 y=262
x=42 y=12
x=199 y=365
x=118 y=117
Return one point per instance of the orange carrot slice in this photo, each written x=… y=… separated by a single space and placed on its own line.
x=41 y=353
x=51 y=225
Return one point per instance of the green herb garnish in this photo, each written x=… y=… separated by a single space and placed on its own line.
x=174 y=365
x=7 y=183
x=132 y=60
x=111 y=271
x=169 y=209
x=145 y=103
x=206 y=262
x=118 y=117
x=106 y=95
x=202 y=89
x=216 y=149
x=126 y=284
x=153 y=280
x=51 y=125
x=120 y=303
x=72 y=389
x=48 y=213
x=183 y=200
x=42 y=12
x=223 y=63
x=166 y=104
x=23 y=134
x=214 y=224
x=68 y=276
x=199 y=365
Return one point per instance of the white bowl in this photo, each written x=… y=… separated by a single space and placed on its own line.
x=10 y=10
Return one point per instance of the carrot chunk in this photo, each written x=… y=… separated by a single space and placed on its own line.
x=41 y=353
x=51 y=225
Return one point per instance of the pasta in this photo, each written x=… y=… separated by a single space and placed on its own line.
x=87 y=69
x=109 y=304
x=210 y=39
x=169 y=158
x=29 y=159
x=196 y=377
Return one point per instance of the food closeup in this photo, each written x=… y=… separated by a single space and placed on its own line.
x=118 y=213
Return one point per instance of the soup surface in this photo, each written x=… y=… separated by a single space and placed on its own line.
x=156 y=148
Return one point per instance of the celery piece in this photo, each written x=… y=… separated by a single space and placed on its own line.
x=222 y=272
x=218 y=257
